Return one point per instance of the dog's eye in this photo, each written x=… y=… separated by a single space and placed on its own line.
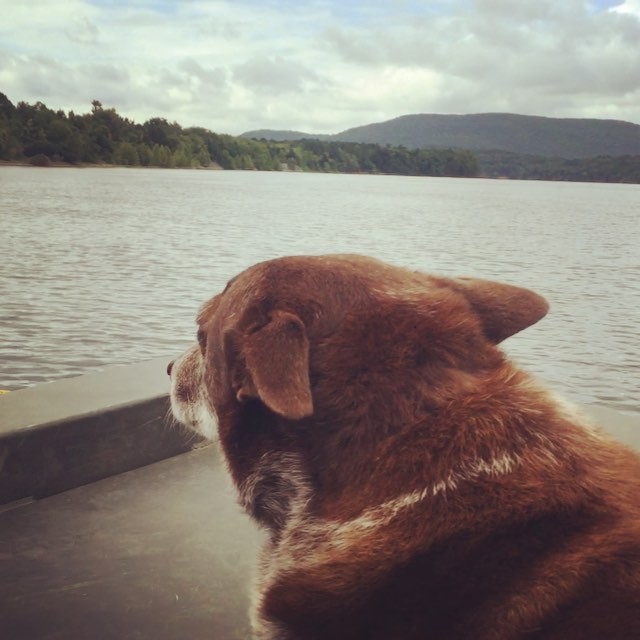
x=202 y=339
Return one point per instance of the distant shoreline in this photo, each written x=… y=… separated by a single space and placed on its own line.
x=95 y=165
x=57 y=164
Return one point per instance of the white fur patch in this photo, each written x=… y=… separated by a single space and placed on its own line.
x=189 y=402
x=308 y=542
x=277 y=489
x=497 y=466
x=289 y=507
x=384 y=513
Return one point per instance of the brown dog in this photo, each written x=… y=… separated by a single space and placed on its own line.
x=414 y=483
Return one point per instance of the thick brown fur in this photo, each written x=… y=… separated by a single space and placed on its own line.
x=414 y=483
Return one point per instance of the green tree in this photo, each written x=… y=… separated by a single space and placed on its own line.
x=161 y=156
x=126 y=153
x=159 y=131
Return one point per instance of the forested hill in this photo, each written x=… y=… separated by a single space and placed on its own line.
x=528 y=135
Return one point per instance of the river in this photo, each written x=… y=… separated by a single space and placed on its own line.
x=105 y=266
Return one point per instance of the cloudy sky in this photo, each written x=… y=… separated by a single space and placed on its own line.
x=324 y=65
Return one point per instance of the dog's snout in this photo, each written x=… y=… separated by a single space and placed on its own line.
x=170 y=367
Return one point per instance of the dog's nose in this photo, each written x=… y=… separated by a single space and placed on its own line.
x=169 y=367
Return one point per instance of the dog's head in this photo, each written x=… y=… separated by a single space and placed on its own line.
x=298 y=348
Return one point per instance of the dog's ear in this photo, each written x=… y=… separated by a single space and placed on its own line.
x=502 y=309
x=277 y=360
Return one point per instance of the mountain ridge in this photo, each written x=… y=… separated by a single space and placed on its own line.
x=509 y=132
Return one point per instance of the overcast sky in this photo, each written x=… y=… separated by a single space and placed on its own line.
x=324 y=65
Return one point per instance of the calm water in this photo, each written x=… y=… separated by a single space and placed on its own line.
x=108 y=266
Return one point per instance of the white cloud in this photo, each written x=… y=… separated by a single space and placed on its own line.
x=324 y=65
x=631 y=7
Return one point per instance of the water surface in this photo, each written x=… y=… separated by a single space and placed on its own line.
x=109 y=266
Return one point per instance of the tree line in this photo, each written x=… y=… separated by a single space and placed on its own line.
x=504 y=164
x=39 y=135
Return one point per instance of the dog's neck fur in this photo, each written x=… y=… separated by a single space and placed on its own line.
x=494 y=435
